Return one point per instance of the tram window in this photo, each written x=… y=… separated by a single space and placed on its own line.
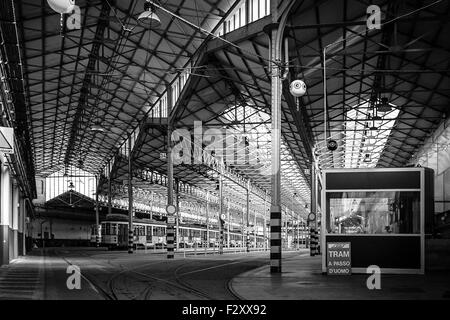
x=379 y=212
x=139 y=231
x=158 y=231
x=113 y=229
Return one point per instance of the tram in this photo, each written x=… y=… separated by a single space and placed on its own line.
x=149 y=233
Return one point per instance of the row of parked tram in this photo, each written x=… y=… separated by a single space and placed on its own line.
x=152 y=234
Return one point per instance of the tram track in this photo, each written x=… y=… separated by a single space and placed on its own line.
x=177 y=284
x=137 y=284
x=98 y=288
x=111 y=292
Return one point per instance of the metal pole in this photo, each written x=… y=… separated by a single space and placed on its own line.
x=294 y=238
x=42 y=235
x=169 y=229
x=298 y=231
x=109 y=190
x=275 y=209
x=177 y=204
x=313 y=225
x=276 y=34
x=264 y=232
x=247 y=213
x=228 y=223
x=325 y=97
x=97 y=218
x=130 y=200
x=151 y=204
x=207 y=219
x=265 y=222
x=242 y=229
x=254 y=230
x=220 y=214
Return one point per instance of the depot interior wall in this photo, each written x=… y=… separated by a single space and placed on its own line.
x=61 y=229
x=11 y=219
x=40 y=190
x=436 y=155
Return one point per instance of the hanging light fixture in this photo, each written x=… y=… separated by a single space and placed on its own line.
x=61 y=6
x=384 y=105
x=149 y=19
x=367 y=157
x=371 y=136
x=97 y=127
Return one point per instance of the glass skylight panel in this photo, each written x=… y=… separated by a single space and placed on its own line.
x=260 y=145
x=71 y=178
x=366 y=137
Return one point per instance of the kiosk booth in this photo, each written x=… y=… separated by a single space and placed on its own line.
x=383 y=213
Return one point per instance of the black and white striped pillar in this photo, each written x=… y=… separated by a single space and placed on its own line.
x=247 y=240
x=130 y=241
x=314 y=236
x=97 y=218
x=97 y=236
x=170 y=208
x=130 y=200
x=275 y=241
x=316 y=232
x=312 y=246
x=247 y=221
x=220 y=236
x=220 y=220
x=170 y=241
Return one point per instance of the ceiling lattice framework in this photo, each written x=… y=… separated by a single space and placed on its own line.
x=100 y=73
x=107 y=74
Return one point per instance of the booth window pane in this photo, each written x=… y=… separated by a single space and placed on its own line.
x=381 y=212
x=446 y=190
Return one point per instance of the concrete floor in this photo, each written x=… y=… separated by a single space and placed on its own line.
x=149 y=275
x=115 y=275
x=302 y=279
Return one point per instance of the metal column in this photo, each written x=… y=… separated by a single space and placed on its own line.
x=207 y=219
x=177 y=204
x=228 y=223
x=275 y=208
x=313 y=224
x=242 y=229
x=97 y=218
x=130 y=200
x=109 y=190
x=151 y=204
x=265 y=222
x=220 y=214
x=275 y=31
x=265 y=233
x=247 y=213
x=169 y=228
x=254 y=230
